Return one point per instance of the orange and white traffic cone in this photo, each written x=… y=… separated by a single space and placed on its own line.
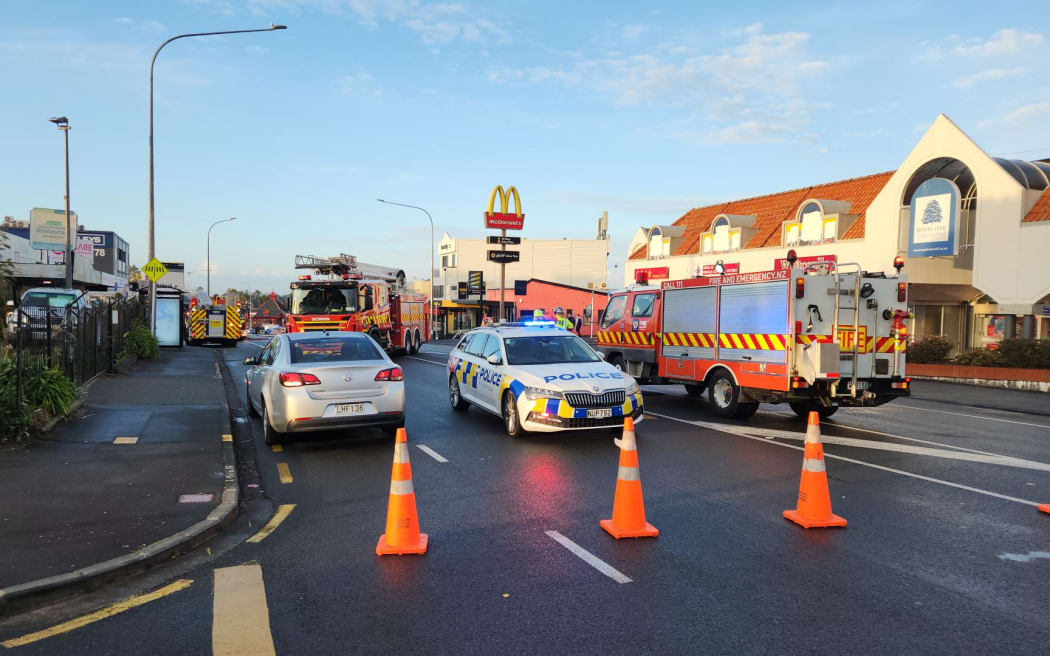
x=628 y=516
x=814 y=500
x=402 y=524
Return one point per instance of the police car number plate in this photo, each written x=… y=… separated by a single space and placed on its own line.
x=349 y=408
x=599 y=413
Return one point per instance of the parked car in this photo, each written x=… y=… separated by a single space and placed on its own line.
x=313 y=381
x=38 y=302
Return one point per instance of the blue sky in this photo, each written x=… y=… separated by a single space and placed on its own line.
x=644 y=112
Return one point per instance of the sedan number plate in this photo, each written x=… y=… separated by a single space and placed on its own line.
x=599 y=413
x=349 y=408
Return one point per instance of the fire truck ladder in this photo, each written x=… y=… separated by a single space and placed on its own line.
x=855 y=292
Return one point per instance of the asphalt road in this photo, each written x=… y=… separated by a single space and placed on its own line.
x=945 y=552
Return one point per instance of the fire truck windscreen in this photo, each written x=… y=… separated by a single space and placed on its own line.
x=324 y=300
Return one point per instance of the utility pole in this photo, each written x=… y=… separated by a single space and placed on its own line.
x=63 y=124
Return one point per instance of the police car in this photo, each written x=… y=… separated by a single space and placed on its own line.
x=539 y=378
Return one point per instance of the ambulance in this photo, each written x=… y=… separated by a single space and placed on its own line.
x=815 y=334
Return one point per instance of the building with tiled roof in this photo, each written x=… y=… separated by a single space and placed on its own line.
x=977 y=260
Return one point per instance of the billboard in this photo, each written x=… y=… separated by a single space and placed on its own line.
x=933 y=226
x=47 y=228
x=504 y=220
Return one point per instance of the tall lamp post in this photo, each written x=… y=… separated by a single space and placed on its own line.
x=62 y=123
x=208 y=268
x=431 y=272
x=153 y=285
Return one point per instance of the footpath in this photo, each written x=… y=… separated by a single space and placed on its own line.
x=138 y=474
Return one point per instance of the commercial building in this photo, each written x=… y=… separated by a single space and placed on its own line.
x=974 y=231
x=572 y=263
x=544 y=295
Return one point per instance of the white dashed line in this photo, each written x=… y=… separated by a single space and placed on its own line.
x=432 y=453
x=589 y=558
x=440 y=364
x=960 y=414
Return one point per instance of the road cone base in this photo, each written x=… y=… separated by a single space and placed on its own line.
x=649 y=531
x=1045 y=507
x=834 y=520
x=384 y=549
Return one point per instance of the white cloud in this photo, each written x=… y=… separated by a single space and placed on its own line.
x=1017 y=116
x=358 y=84
x=1004 y=42
x=632 y=32
x=990 y=74
x=751 y=87
x=145 y=25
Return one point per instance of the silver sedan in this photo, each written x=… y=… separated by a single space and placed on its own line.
x=321 y=381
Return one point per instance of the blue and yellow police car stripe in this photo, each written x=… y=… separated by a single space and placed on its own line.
x=562 y=409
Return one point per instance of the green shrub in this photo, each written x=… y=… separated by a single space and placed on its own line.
x=49 y=389
x=979 y=357
x=934 y=348
x=1025 y=353
x=14 y=419
x=141 y=343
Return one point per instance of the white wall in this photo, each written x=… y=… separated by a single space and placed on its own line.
x=567 y=261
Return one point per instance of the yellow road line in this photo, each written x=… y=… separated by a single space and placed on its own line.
x=277 y=448
x=282 y=513
x=284 y=472
x=108 y=611
x=240 y=618
x=227 y=437
x=125 y=440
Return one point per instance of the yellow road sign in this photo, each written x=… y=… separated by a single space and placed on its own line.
x=154 y=269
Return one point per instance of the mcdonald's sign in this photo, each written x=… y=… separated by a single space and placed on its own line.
x=504 y=220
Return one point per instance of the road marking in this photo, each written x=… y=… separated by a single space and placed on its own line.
x=252 y=343
x=765 y=440
x=108 y=611
x=913 y=439
x=589 y=558
x=960 y=414
x=955 y=454
x=227 y=437
x=240 y=619
x=1024 y=558
x=284 y=472
x=282 y=513
x=440 y=364
x=277 y=448
x=125 y=440
x=432 y=453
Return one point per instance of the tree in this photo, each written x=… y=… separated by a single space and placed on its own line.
x=933 y=212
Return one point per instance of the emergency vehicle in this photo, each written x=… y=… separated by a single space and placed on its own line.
x=344 y=294
x=816 y=335
x=214 y=320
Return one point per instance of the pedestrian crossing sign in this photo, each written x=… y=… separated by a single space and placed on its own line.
x=154 y=269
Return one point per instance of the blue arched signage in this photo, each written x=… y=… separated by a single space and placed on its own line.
x=933 y=228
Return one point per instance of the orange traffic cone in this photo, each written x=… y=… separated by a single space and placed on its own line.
x=814 y=500
x=628 y=516
x=1045 y=507
x=402 y=525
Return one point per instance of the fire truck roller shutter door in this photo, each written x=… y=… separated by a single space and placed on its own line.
x=689 y=323
x=753 y=322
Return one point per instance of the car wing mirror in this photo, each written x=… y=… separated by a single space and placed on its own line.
x=495 y=359
x=601 y=354
x=251 y=361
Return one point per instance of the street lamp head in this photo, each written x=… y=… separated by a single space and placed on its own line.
x=59 y=120
x=278 y=27
x=381 y=200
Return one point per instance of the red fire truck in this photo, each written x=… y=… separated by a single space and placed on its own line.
x=816 y=336
x=343 y=294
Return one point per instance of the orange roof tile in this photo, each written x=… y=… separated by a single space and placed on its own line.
x=772 y=210
x=1041 y=210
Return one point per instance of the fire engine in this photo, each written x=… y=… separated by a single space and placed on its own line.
x=344 y=294
x=217 y=320
x=815 y=335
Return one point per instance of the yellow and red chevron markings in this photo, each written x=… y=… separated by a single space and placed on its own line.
x=609 y=337
x=689 y=339
x=198 y=323
x=877 y=344
x=753 y=341
x=234 y=323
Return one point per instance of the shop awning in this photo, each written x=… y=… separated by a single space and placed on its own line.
x=458 y=306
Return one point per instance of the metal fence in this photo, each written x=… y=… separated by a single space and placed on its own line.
x=82 y=342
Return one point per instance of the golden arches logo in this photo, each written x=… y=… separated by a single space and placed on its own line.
x=504 y=219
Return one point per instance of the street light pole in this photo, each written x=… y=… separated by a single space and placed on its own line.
x=208 y=268
x=153 y=285
x=431 y=273
x=62 y=123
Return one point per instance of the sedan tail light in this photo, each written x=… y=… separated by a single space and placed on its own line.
x=391 y=375
x=298 y=380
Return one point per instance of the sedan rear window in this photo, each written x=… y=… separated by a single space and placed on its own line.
x=332 y=349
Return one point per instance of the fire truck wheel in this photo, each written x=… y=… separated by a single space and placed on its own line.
x=511 y=421
x=419 y=342
x=695 y=389
x=802 y=409
x=724 y=394
x=455 y=399
x=617 y=361
x=745 y=410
